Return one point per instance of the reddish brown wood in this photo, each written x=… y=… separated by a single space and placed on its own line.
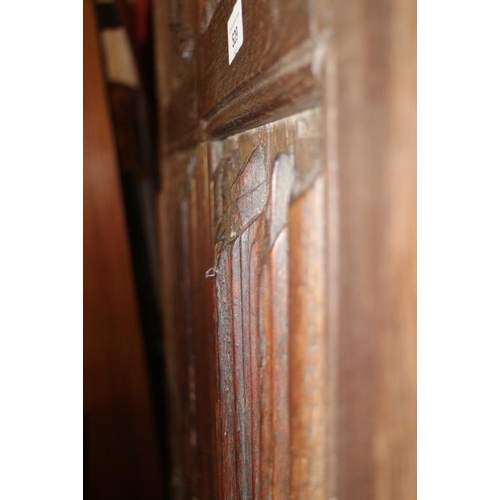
x=266 y=402
x=255 y=238
x=300 y=276
x=227 y=472
x=263 y=47
x=280 y=442
x=122 y=453
x=205 y=364
x=308 y=354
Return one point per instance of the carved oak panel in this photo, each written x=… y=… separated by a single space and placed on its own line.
x=287 y=215
x=251 y=248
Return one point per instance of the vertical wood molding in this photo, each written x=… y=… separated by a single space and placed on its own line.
x=376 y=74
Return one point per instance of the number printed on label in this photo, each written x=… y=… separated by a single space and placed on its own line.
x=235 y=31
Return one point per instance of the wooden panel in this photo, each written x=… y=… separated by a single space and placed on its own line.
x=259 y=439
x=287 y=88
x=176 y=68
x=182 y=114
x=293 y=171
x=308 y=353
x=122 y=453
x=276 y=73
x=262 y=47
x=377 y=166
x=189 y=323
x=262 y=177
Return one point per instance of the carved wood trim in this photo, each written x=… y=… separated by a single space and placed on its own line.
x=270 y=441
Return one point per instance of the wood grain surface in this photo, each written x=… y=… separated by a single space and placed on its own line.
x=121 y=445
x=293 y=300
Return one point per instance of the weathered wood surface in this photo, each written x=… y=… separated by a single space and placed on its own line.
x=288 y=225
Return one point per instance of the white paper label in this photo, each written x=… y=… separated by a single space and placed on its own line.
x=235 y=31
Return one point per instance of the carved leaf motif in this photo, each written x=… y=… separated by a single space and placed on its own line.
x=239 y=203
